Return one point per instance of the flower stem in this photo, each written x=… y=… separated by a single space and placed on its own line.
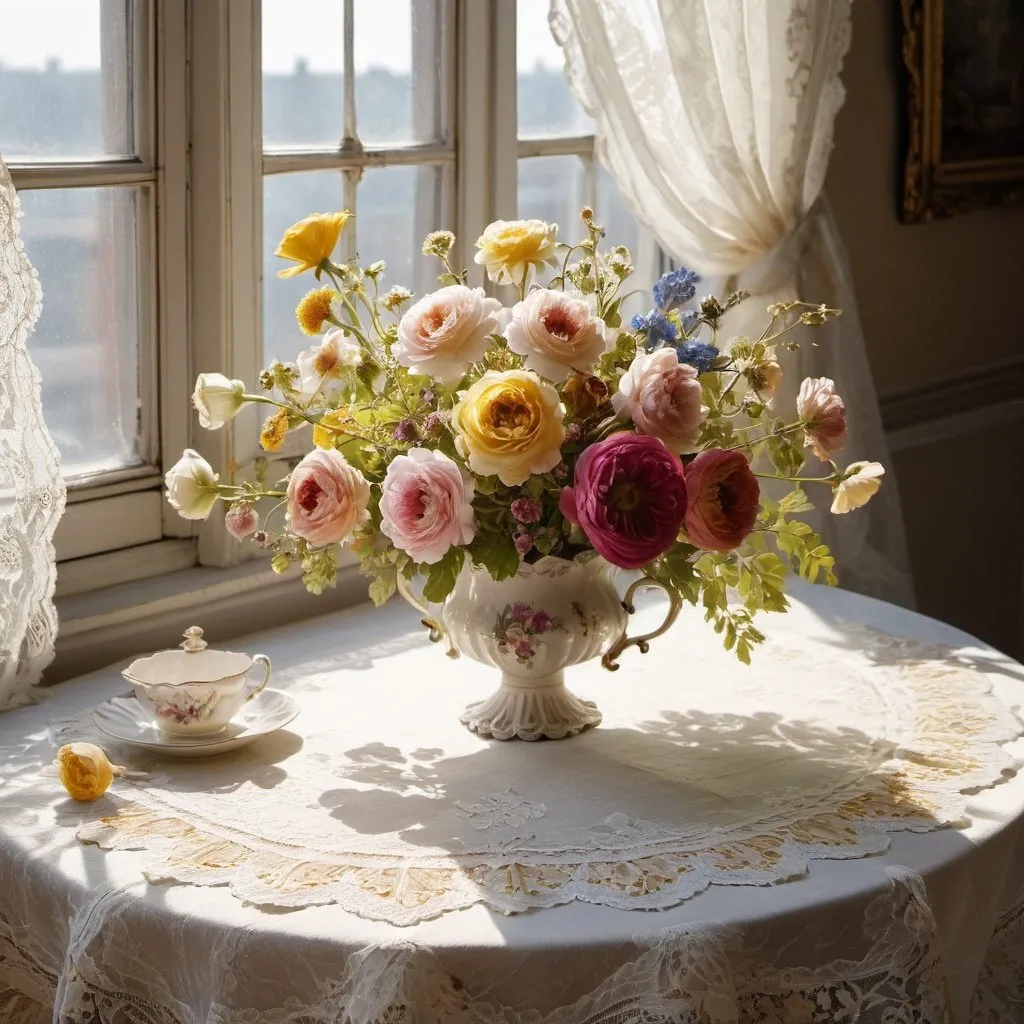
x=263 y=400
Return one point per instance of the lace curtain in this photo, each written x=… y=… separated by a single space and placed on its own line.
x=31 y=489
x=715 y=119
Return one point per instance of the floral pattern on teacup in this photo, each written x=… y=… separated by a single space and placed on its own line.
x=187 y=708
x=517 y=627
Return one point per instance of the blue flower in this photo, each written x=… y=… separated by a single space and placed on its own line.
x=658 y=327
x=675 y=289
x=698 y=354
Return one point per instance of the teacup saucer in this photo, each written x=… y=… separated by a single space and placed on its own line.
x=124 y=719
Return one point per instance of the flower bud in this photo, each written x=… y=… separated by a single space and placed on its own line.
x=84 y=771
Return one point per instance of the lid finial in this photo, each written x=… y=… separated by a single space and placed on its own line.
x=193 y=640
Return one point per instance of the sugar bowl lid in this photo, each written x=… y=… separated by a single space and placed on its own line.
x=193 y=662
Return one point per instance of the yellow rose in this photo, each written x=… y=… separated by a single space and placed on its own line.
x=84 y=770
x=509 y=249
x=311 y=241
x=509 y=424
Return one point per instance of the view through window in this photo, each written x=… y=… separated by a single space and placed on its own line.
x=69 y=124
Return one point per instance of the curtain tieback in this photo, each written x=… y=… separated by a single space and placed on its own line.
x=774 y=271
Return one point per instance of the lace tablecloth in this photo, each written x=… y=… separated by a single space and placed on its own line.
x=831 y=834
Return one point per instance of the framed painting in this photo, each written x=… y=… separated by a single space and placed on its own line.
x=963 y=64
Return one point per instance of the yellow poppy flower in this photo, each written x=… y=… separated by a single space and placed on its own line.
x=330 y=427
x=311 y=241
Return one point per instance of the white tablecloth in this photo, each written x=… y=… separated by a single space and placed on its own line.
x=799 y=827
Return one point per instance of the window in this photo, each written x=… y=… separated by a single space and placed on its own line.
x=77 y=128
x=558 y=172
x=162 y=146
x=357 y=116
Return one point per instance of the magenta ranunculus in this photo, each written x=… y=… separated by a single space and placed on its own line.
x=723 y=497
x=426 y=505
x=629 y=497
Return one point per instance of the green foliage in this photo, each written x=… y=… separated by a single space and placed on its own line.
x=795 y=540
x=441 y=576
x=495 y=552
x=320 y=568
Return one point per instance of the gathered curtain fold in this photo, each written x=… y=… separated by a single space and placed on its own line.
x=715 y=119
x=32 y=491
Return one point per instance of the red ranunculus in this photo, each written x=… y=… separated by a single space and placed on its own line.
x=723 y=498
x=629 y=497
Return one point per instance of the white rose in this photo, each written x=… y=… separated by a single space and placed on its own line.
x=859 y=485
x=446 y=332
x=217 y=399
x=191 y=486
x=556 y=333
x=322 y=367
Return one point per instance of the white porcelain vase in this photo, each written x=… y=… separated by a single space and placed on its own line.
x=550 y=615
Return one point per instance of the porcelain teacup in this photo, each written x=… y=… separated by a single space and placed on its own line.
x=194 y=691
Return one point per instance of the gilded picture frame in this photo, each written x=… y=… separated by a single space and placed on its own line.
x=963 y=73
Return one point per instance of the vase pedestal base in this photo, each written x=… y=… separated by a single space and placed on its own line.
x=529 y=709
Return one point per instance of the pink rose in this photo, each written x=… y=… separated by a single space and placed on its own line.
x=723 y=497
x=824 y=417
x=426 y=505
x=444 y=333
x=629 y=497
x=327 y=498
x=663 y=398
x=556 y=333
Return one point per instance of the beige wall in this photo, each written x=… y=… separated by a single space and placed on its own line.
x=936 y=301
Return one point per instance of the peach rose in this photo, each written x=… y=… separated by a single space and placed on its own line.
x=723 y=497
x=444 y=333
x=327 y=498
x=556 y=333
x=823 y=415
x=663 y=399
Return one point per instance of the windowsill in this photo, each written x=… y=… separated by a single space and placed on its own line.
x=120 y=622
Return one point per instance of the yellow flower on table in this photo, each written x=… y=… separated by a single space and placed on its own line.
x=311 y=241
x=84 y=770
x=509 y=249
x=509 y=425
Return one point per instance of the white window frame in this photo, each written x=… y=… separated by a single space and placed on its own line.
x=115 y=526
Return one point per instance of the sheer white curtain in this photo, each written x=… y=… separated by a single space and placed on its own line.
x=31 y=489
x=715 y=118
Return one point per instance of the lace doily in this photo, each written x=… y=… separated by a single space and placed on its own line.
x=31 y=489
x=705 y=772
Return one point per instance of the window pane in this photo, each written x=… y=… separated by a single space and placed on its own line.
x=621 y=228
x=64 y=84
x=397 y=207
x=398 y=62
x=84 y=244
x=303 y=81
x=546 y=104
x=553 y=188
x=288 y=198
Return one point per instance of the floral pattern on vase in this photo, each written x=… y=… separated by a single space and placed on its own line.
x=517 y=627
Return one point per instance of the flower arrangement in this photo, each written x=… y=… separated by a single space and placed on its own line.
x=451 y=430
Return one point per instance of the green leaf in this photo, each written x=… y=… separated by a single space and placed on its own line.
x=496 y=552
x=383 y=587
x=441 y=576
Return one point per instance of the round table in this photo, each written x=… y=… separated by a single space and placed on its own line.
x=373 y=861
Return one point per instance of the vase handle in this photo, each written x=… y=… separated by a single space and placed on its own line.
x=437 y=631
x=610 y=659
